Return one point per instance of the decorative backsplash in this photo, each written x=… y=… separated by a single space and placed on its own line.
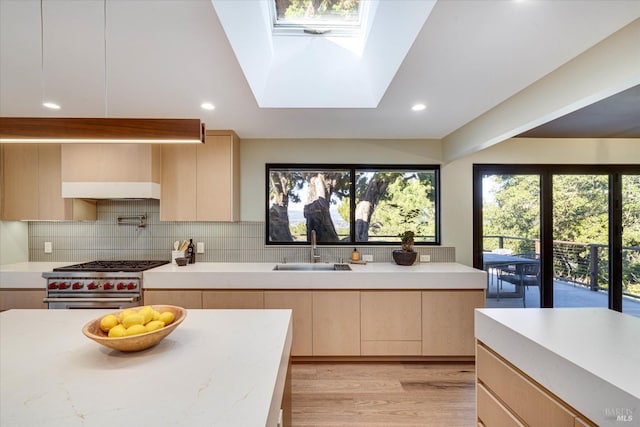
x=104 y=239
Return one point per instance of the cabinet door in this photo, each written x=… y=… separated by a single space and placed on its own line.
x=447 y=322
x=301 y=304
x=181 y=298
x=391 y=323
x=491 y=412
x=178 y=185
x=20 y=176
x=336 y=323
x=232 y=299
x=21 y=298
x=218 y=178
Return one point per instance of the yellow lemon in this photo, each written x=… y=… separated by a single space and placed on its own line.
x=117 y=331
x=133 y=319
x=135 y=330
x=125 y=313
x=108 y=322
x=146 y=313
x=154 y=325
x=167 y=317
x=156 y=315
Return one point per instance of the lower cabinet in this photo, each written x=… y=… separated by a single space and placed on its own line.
x=21 y=298
x=232 y=299
x=508 y=397
x=391 y=323
x=336 y=323
x=354 y=322
x=447 y=321
x=300 y=302
x=183 y=298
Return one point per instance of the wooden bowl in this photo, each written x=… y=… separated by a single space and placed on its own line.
x=135 y=342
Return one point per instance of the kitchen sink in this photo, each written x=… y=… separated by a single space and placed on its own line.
x=312 y=267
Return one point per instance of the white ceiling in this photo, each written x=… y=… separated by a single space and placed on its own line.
x=165 y=57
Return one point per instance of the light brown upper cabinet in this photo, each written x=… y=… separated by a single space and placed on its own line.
x=202 y=182
x=32 y=185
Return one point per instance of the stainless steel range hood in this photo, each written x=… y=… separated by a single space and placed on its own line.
x=111 y=171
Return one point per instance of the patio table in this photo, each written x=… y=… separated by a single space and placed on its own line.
x=494 y=260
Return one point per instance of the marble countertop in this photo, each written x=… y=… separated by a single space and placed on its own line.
x=218 y=275
x=586 y=356
x=218 y=368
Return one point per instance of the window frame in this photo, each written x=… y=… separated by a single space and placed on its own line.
x=353 y=169
x=546 y=173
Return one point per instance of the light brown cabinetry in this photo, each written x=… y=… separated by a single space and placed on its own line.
x=391 y=323
x=184 y=298
x=354 y=322
x=232 y=299
x=505 y=393
x=336 y=323
x=21 y=298
x=202 y=182
x=32 y=186
x=447 y=321
x=300 y=302
x=111 y=163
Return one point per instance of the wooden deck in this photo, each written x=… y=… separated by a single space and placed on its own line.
x=564 y=295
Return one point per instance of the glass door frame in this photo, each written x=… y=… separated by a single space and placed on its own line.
x=546 y=173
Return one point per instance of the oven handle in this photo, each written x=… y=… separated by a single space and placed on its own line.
x=132 y=299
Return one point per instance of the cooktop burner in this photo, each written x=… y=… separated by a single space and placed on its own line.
x=113 y=266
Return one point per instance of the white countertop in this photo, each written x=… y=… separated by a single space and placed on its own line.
x=221 y=275
x=26 y=275
x=589 y=357
x=218 y=368
x=211 y=275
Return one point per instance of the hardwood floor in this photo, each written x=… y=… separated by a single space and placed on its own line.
x=383 y=394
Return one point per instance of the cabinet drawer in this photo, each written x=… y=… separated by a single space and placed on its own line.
x=391 y=348
x=233 y=299
x=532 y=404
x=491 y=412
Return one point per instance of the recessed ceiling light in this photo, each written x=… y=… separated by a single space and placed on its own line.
x=207 y=106
x=51 y=105
x=418 y=107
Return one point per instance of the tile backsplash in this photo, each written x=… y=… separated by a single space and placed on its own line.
x=104 y=239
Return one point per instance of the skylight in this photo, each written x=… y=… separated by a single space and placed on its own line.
x=337 y=17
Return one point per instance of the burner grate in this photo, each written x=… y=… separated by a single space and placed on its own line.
x=114 y=266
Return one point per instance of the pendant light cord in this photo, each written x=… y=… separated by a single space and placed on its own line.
x=41 y=53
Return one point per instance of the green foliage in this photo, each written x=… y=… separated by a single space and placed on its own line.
x=580 y=215
x=306 y=8
x=408 y=204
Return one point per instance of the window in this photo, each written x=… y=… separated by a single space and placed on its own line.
x=317 y=16
x=348 y=204
x=579 y=223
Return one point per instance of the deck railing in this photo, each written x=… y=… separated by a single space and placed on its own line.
x=583 y=264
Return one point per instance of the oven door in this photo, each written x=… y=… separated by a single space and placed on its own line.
x=114 y=303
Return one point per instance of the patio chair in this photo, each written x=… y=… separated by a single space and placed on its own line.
x=526 y=275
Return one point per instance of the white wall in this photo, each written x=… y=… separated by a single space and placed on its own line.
x=457 y=176
x=14 y=242
x=255 y=153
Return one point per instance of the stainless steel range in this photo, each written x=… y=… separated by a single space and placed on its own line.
x=97 y=284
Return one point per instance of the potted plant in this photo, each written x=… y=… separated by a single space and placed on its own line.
x=406 y=255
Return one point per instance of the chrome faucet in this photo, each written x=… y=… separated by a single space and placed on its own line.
x=314 y=256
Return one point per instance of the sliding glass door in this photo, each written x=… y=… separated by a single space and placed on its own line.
x=576 y=227
x=511 y=239
x=631 y=244
x=580 y=240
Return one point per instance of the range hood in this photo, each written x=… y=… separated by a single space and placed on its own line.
x=111 y=171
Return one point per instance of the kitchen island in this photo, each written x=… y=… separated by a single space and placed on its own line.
x=560 y=367
x=218 y=368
